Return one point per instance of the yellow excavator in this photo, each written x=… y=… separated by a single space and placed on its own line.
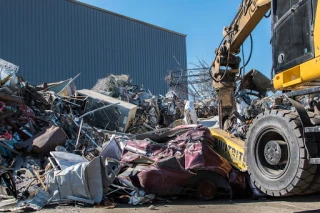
x=281 y=147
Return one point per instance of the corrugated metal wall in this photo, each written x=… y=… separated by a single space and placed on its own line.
x=52 y=40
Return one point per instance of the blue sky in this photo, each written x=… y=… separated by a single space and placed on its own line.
x=202 y=21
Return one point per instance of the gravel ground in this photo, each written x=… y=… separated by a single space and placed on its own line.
x=299 y=204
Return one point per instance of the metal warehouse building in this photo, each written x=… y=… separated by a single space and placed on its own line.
x=52 y=40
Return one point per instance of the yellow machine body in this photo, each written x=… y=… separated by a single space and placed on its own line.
x=305 y=74
x=230 y=148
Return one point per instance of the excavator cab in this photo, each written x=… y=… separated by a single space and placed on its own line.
x=295 y=43
x=293 y=26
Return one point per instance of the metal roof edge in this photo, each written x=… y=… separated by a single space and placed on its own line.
x=126 y=17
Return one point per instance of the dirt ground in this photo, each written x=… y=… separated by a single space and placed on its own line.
x=298 y=204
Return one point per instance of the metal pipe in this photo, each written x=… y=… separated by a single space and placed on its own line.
x=81 y=124
x=88 y=136
x=80 y=130
x=118 y=133
x=135 y=150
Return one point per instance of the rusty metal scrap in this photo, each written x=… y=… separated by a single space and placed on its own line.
x=167 y=168
x=152 y=112
x=59 y=145
x=254 y=96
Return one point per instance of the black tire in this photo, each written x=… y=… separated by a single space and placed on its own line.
x=218 y=184
x=293 y=174
x=315 y=184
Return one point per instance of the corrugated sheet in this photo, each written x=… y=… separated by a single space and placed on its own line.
x=52 y=40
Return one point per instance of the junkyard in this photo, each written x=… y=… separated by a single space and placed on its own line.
x=215 y=137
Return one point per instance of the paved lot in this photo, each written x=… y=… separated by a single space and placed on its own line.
x=301 y=204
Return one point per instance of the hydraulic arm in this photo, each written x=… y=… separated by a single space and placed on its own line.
x=226 y=63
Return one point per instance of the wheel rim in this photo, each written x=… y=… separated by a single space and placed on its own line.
x=272 y=153
x=206 y=190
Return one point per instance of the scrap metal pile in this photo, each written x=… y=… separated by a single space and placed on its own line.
x=254 y=96
x=198 y=85
x=251 y=99
x=59 y=145
x=152 y=112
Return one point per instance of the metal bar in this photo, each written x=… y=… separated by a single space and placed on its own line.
x=93 y=141
x=303 y=92
x=100 y=133
x=71 y=80
x=312 y=129
x=88 y=136
x=79 y=133
x=45 y=187
x=5 y=145
x=55 y=167
x=237 y=114
x=119 y=133
x=81 y=124
x=220 y=114
x=113 y=191
x=314 y=161
x=135 y=150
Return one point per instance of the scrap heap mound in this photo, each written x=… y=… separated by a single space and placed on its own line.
x=59 y=145
x=152 y=112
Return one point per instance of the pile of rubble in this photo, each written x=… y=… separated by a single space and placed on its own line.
x=152 y=112
x=114 y=143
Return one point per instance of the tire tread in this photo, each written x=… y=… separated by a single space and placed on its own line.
x=307 y=178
